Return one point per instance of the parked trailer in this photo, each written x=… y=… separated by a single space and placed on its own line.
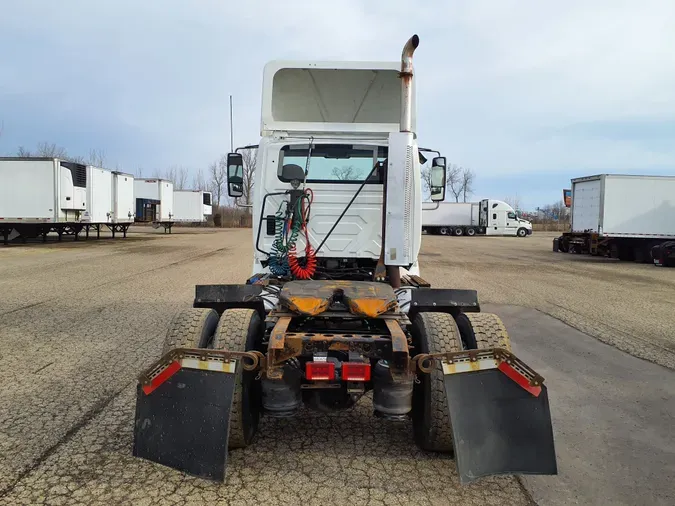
x=191 y=206
x=156 y=202
x=41 y=195
x=620 y=216
x=487 y=217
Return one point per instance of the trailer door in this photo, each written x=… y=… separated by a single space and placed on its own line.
x=586 y=204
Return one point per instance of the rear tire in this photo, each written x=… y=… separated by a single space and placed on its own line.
x=486 y=329
x=433 y=333
x=470 y=232
x=458 y=232
x=444 y=231
x=241 y=330
x=190 y=328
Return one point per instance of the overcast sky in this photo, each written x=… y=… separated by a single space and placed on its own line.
x=528 y=93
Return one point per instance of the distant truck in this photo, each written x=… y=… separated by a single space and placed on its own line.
x=487 y=217
x=191 y=206
x=620 y=216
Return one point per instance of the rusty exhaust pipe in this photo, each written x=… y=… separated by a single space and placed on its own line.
x=406 y=82
x=406 y=75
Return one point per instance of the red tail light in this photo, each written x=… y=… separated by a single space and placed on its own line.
x=320 y=371
x=355 y=371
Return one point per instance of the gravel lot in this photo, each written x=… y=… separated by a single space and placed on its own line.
x=80 y=320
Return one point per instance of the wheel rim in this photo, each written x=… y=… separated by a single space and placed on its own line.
x=443 y=231
x=470 y=232
x=458 y=232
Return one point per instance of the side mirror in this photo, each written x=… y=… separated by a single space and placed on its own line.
x=437 y=186
x=235 y=175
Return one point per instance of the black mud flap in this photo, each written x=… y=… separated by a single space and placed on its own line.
x=498 y=427
x=184 y=423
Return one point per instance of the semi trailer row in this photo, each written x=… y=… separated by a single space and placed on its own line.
x=43 y=195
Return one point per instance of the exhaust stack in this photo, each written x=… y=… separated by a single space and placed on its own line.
x=406 y=82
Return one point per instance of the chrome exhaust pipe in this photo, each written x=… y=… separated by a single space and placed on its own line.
x=406 y=76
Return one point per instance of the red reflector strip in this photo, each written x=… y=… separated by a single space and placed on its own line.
x=355 y=371
x=521 y=380
x=320 y=371
x=172 y=369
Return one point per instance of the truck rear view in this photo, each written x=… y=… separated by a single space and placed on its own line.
x=620 y=216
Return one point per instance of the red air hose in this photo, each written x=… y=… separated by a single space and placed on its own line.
x=307 y=271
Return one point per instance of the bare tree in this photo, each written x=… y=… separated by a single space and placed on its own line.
x=198 y=181
x=96 y=157
x=51 y=150
x=23 y=152
x=513 y=201
x=453 y=180
x=218 y=178
x=466 y=178
x=139 y=172
x=250 y=157
x=350 y=173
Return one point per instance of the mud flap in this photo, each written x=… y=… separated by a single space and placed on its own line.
x=184 y=423
x=498 y=427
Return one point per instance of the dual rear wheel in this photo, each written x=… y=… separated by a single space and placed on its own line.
x=235 y=330
x=441 y=333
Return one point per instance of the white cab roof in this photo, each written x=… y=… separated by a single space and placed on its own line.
x=324 y=96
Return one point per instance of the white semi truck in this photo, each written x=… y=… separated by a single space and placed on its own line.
x=487 y=217
x=335 y=306
x=620 y=216
x=191 y=206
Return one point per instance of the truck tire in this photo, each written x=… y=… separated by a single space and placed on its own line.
x=470 y=231
x=433 y=333
x=459 y=231
x=190 y=328
x=444 y=231
x=241 y=330
x=522 y=232
x=485 y=329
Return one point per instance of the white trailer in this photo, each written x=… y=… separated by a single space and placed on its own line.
x=487 y=217
x=123 y=198
x=99 y=195
x=191 y=206
x=621 y=216
x=41 y=195
x=154 y=201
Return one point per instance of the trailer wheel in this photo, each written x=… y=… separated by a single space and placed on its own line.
x=522 y=232
x=459 y=231
x=470 y=232
x=433 y=333
x=240 y=330
x=444 y=231
x=485 y=329
x=190 y=328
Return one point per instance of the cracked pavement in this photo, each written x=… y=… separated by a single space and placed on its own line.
x=80 y=320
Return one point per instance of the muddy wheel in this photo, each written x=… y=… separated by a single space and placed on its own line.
x=240 y=330
x=433 y=333
x=190 y=328
x=486 y=330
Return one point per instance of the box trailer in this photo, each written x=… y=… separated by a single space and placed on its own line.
x=191 y=206
x=487 y=217
x=123 y=198
x=154 y=202
x=620 y=216
x=99 y=195
x=41 y=195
